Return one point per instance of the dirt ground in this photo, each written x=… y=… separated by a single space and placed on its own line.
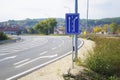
x=55 y=70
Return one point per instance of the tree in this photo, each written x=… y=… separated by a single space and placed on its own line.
x=113 y=27
x=46 y=26
x=51 y=24
x=97 y=29
x=105 y=28
x=30 y=30
x=3 y=36
x=41 y=27
x=118 y=30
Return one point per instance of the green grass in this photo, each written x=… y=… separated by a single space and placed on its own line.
x=103 y=63
x=106 y=57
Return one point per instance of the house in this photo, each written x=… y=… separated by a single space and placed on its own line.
x=9 y=30
x=60 y=30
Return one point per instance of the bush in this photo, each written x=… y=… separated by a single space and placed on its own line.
x=105 y=60
x=3 y=36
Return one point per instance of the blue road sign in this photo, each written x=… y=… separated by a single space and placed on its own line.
x=72 y=23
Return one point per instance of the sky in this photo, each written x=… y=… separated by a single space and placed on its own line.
x=33 y=9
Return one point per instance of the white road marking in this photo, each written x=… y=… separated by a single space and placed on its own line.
x=21 y=61
x=11 y=57
x=25 y=72
x=50 y=56
x=43 y=52
x=54 y=48
x=61 y=43
x=82 y=42
x=37 y=67
x=27 y=44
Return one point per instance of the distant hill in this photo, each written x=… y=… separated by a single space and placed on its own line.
x=94 y=22
x=61 y=22
x=20 y=23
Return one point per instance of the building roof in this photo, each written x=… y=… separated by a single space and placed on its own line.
x=9 y=28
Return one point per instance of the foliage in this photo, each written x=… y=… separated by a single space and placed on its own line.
x=3 y=36
x=97 y=29
x=30 y=30
x=118 y=30
x=113 y=27
x=105 y=28
x=105 y=59
x=46 y=26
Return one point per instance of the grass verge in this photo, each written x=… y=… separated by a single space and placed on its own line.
x=101 y=64
x=106 y=57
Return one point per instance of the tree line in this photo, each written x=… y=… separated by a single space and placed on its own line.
x=43 y=27
x=113 y=28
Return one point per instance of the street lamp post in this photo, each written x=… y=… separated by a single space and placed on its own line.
x=87 y=17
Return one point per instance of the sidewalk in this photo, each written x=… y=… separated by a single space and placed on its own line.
x=55 y=70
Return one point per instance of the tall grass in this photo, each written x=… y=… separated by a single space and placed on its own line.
x=106 y=57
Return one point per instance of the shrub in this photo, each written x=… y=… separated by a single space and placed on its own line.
x=3 y=36
x=105 y=60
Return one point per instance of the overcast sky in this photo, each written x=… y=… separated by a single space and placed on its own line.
x=22 y=9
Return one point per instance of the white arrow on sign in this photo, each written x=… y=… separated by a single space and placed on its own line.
x=11 y=57
x=69 y=24
x=74 y=23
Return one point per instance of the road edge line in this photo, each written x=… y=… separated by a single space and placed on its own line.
x=44 y=64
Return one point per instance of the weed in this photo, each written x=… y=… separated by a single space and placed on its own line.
x=105 y=60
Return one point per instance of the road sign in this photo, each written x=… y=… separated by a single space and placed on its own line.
x=72 y=23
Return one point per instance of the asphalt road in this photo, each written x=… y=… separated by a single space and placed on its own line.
x=34 y=52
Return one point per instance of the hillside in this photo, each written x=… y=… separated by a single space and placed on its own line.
x=94 y=22
x=61 y=22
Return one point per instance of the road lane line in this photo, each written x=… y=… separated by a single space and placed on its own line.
x=43 y=52
x=61 y=43
x=34 y=68
x=21 y=61
x=82 y=42
x=24 y=46
x=49 y=56
x=54 y=48
x=11 y=57
x=37 y=67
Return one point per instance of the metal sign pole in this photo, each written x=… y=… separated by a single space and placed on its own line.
x=75 y=35
x=73 y=51
x=72 y=27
